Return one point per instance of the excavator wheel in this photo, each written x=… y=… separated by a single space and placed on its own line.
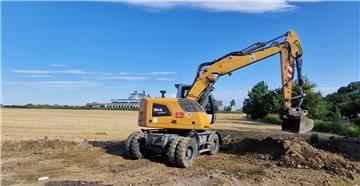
x=134 y=146
x=172 y=151
x=128 y=143
x=215 y=146
x=186 y=152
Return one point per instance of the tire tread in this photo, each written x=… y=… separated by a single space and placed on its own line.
x=181 y=152
x=172 y=151
x=128 y=144
x=135 y=146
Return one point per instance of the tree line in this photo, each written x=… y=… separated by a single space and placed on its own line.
x=56 y=106
x=339 y=108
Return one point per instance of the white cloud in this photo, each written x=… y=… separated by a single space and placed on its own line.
x=19 y=71
x=246 y=6
x=76 y=71
x=128 y=78
x=40 y=75
x=83 y=72
x=165 y=79
x=56 y=65
x=124 y=73
x=56 y=84
x=117 y=86
x=72 y=72
x=105 y=73
x=156 y=73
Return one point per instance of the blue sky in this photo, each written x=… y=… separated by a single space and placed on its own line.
x=78 y=52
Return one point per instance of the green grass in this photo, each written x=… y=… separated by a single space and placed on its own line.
x=334 y=127
x=272 y=118
x=349 y=129
x=352 y=130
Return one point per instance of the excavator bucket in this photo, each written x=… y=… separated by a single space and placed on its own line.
x=298 y=123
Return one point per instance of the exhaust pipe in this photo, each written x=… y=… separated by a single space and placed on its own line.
x=296 y=121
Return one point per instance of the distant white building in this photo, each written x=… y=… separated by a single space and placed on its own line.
x=133 y=101
x=219 y=105
x=137 y=95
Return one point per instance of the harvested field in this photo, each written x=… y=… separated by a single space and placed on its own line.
x=86 y=147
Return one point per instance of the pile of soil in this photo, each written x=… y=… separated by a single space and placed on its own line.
x=349 y=147
x=295 y=152
x=38 y=145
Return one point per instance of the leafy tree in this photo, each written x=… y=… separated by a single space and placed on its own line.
x=347 y=99
x=274 y=97
x=262 y=101
x=344 y=102
x=232 y=102
x=257 y=104
x=227 y=108
x=313 y=101
x=337 y=115
x=29 y=105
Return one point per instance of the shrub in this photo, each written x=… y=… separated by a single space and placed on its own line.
x=336 y=128
x=357 y=121
x=272 y=118
x=350 y=129
x=329 y=126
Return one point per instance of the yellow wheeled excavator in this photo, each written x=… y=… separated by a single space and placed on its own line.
x=181 y=126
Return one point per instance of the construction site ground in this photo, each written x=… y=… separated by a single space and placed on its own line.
x=86 y=147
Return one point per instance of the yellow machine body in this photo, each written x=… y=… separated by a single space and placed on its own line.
x=172 y=113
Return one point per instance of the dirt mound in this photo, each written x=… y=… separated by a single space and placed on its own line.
x=38 y=145
x=349 y=147
x=294 y=152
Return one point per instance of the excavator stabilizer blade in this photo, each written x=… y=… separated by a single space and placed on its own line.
x=298 y=124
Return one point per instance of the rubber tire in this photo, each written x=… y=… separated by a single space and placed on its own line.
x=181 y=152
x=136 y=146
x=128 y=144
x=215 y=141
x=171 y=154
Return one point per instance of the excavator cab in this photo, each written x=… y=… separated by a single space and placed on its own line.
x=182 y=92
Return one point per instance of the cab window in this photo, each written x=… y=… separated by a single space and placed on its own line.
x=190 y=106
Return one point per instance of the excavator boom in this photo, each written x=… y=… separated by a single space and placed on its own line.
x=290 y=51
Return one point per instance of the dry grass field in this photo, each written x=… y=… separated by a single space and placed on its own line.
x=80 y=125
x=79 y=147
x=74 y=125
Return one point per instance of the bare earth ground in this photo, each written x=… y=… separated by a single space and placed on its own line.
x=86 y=147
